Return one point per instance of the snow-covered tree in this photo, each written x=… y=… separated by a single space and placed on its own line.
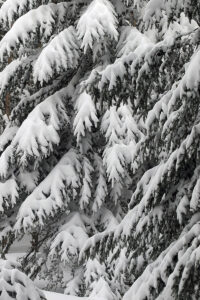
x=16 y=285
x=57 y=184
x=99 y=147
x=159 y=235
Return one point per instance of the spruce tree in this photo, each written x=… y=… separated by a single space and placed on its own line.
x=99 y=156
x=158 y=239
x=16 y=285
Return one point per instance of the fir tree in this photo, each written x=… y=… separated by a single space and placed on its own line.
x=99 y=155
x=16 y=285
x=160 y=233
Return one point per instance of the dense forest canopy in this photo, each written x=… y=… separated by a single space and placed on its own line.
x=99 y=147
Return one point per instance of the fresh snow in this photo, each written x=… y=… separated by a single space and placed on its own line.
x=99 y=149
x=42 y=18
x=56 y=296
x=96 y=22
x=60 y=54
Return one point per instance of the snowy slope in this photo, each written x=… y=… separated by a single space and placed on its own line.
x=56 y=296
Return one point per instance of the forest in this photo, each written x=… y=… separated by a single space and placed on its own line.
x=99 y=149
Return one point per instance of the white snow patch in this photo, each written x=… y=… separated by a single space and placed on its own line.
x=56 y=296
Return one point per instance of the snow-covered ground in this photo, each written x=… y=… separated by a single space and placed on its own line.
x=56 y=296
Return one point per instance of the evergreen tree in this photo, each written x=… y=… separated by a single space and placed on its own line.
x=16 y=285
x=160 y=233
x=100 y=100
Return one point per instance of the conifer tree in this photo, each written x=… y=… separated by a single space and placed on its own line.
x=99 y=156
x=159 y=235
x=16 y=285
